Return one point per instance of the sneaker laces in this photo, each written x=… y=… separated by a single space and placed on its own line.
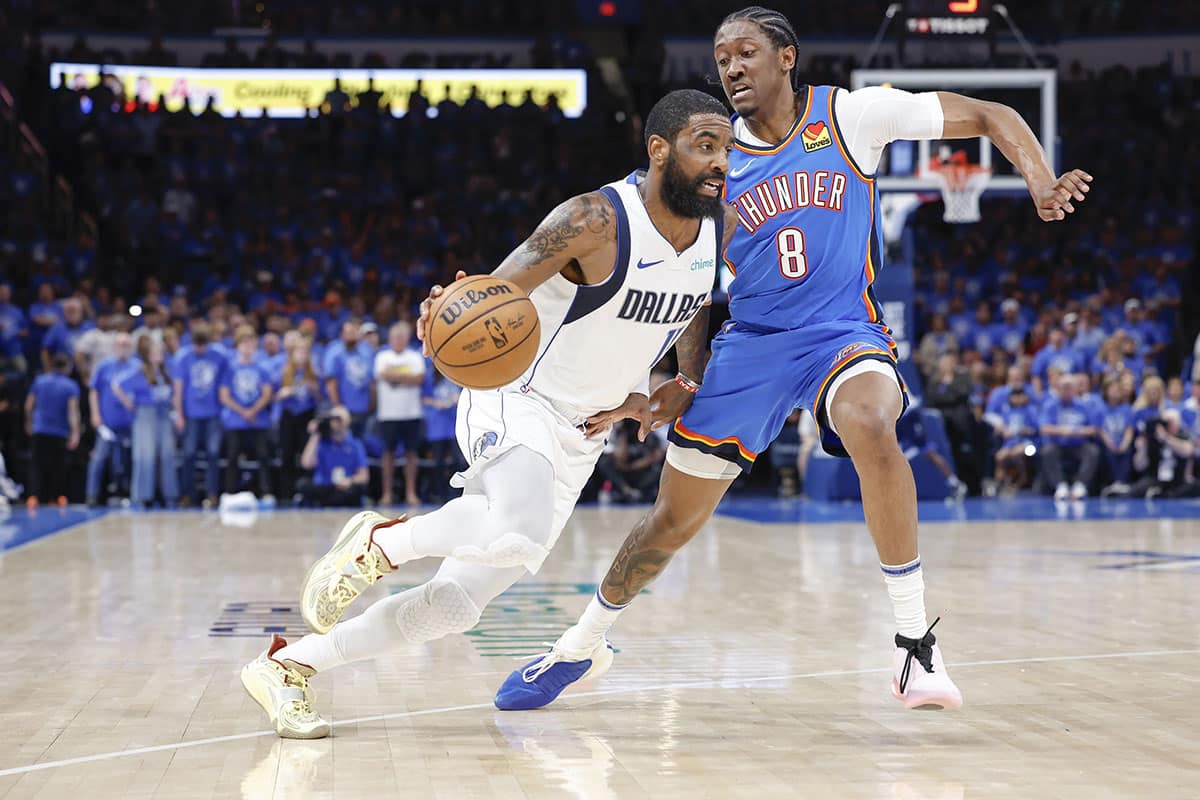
x=920 y=649
x=544 y=662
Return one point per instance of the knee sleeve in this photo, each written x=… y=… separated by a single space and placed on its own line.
x=522 y=537
x=441 y=608
x=520 y=514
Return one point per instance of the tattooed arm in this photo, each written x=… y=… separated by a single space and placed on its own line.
x=578 y=238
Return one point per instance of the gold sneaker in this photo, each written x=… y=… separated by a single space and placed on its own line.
x=281 y=688
x=354 y=563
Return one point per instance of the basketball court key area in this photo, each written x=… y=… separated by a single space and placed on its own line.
x=757 y=666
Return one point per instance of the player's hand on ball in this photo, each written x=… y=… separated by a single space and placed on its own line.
x=1054 y=200
x=668 y=401
x=426 y=304
x=636 y=406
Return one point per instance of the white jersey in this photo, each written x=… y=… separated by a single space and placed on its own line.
x=598 y=343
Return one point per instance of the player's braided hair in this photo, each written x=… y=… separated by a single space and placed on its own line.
x=777 y=29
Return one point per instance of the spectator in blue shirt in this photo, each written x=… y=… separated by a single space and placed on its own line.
x=110 y=418
x=982 y=336
x=1058 y=354
x=1147 y=338
x=299 y=391
x=44 y=314
x=14 y=329
x=440 y=400
x=997 y=402
x=331 y=318
x=1150 y=403
x=1068 y=427
x=52 y=419
x=273 y=356
x=1011 y=330
x=199 y=371
x=246 y=393
x=1017 y=431
x=1116 y=434
x=62 y=337
x=349 y=376
x=146 y=390
x=1085 y=332
x=338 y=461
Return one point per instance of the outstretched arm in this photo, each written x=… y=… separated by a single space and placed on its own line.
x=965 y=117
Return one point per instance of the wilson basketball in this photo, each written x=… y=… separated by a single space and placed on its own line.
x=483 y=332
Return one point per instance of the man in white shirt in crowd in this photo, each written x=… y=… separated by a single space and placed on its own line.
x=399 y=374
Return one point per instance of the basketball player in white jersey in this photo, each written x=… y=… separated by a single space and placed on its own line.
x=618 y=277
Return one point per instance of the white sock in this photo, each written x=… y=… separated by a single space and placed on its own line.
x=906 y=587
x=589 y=631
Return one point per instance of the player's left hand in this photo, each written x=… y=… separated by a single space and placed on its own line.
x=636 y=406
x=1053 y=200
x=668 y=401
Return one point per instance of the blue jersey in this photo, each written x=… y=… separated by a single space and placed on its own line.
x=807 y=246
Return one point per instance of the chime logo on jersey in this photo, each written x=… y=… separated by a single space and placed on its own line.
x=815 y=136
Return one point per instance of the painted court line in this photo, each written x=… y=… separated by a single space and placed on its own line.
x=711 y=682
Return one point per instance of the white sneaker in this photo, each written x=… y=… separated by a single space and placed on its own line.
x=1063 y=492
x=281 y=688
x=919 y=677
x=354 y=563
x=1078 y=491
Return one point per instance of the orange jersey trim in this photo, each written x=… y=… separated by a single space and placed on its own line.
x=868 y=267
x=856 y=354
x=770 y=151
x=697 y=437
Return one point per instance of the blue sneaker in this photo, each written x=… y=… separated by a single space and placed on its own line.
x=541 y=681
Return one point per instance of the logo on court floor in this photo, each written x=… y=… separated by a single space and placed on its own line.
x=815 y=137
x=518 y=622
x=483 y=443
x=255 y=619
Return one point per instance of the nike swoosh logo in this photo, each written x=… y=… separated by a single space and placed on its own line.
x=647 y=264
x=734 y=173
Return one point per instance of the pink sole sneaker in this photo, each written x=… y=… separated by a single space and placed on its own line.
x=927 y=701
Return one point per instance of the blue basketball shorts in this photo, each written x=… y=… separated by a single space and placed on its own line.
x=756 y=377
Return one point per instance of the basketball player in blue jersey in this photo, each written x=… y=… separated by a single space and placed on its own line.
x=806 y=331
x=618 y=276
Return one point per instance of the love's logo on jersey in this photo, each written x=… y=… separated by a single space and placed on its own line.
x=815 y=136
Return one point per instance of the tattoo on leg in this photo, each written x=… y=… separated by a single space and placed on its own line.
x=635 y=566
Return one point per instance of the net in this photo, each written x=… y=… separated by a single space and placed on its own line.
x=962 y=185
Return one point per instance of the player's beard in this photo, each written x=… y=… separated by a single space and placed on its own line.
x=681 y=194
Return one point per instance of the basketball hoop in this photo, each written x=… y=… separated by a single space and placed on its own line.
x=961 y=184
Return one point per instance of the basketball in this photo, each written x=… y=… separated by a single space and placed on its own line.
x=483 y=332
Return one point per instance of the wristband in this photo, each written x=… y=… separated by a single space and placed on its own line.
x=686 y=383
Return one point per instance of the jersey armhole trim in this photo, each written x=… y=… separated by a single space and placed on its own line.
x=589 y=298
x=841 y=141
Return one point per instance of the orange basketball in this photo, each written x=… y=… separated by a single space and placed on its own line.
x=483 y=332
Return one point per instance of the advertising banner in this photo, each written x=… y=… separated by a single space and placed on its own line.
x=297 y=92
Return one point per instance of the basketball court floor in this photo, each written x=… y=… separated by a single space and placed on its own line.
x=757 y=666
